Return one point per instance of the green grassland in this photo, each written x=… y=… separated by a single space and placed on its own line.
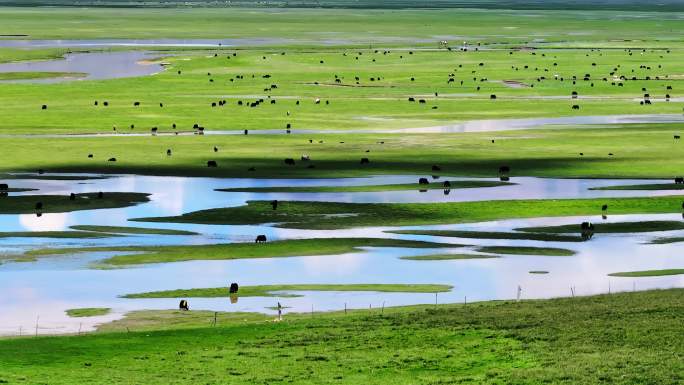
x=625 y=338
x=307 y=26
x=132 y=255
x=491 y=235
x=26 y=204
x=38 y=75
x=435 y=185
x=618 y=227
x=130 y=230
x=447 y=257
x=276 y=290
x=648 y=273
x=88 y=312
x=381 y=103
x=332 y=215
x=639 y=151
x=650 y=186
x=522 y=250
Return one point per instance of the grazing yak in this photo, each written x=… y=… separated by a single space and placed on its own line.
x=39 y=205
x=365 y=161
x=233 y=288
x=446 y=184
x=289 y=161
x=4 y=186
x=100 y=195
x=168 y=152
x=604 y=208
x=90 y=155
x=306 y=157
x=677 y=180
x=260 y=239
x=212 y=163
x=183 y=305
x=72 y=197
x=587 y=230
x=677 y=137
x=436 y=168
x=423 y=181
x=111 y=160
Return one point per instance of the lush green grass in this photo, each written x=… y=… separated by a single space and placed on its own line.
x=641 y=151
x=381 y=103
x=648 y=273
x=50 y=177
x=273 y=290
x=329 y=215
x=88 y=312
x=54 y=234
x=275 y=249
x=522 y=250
x=654 y=186
x=26 y=204
x=494 y=25
x=38 y=75
x=621 y=338
x=130 y=230
x=617 y=227
x=445 y=257
x=17 y=54
x=436 y=185
x=491 y=235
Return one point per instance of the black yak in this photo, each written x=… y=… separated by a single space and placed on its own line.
x=260 y=239
x=233 y=288
x=183 y=305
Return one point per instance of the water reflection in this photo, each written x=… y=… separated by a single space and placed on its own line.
x=94 y=66
x=47 y=287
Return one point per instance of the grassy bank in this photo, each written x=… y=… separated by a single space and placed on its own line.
x=329 y=215
x=88 y=312
x=446 y=257
x=275 y=249
x=617 y=227
x=130 y=230
x=435 y=185
x=521 y=250
x=621 y=338
x=27 y=204
x=648 y=273
x=651 y=186
x=491 y=235
x=285 y=290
